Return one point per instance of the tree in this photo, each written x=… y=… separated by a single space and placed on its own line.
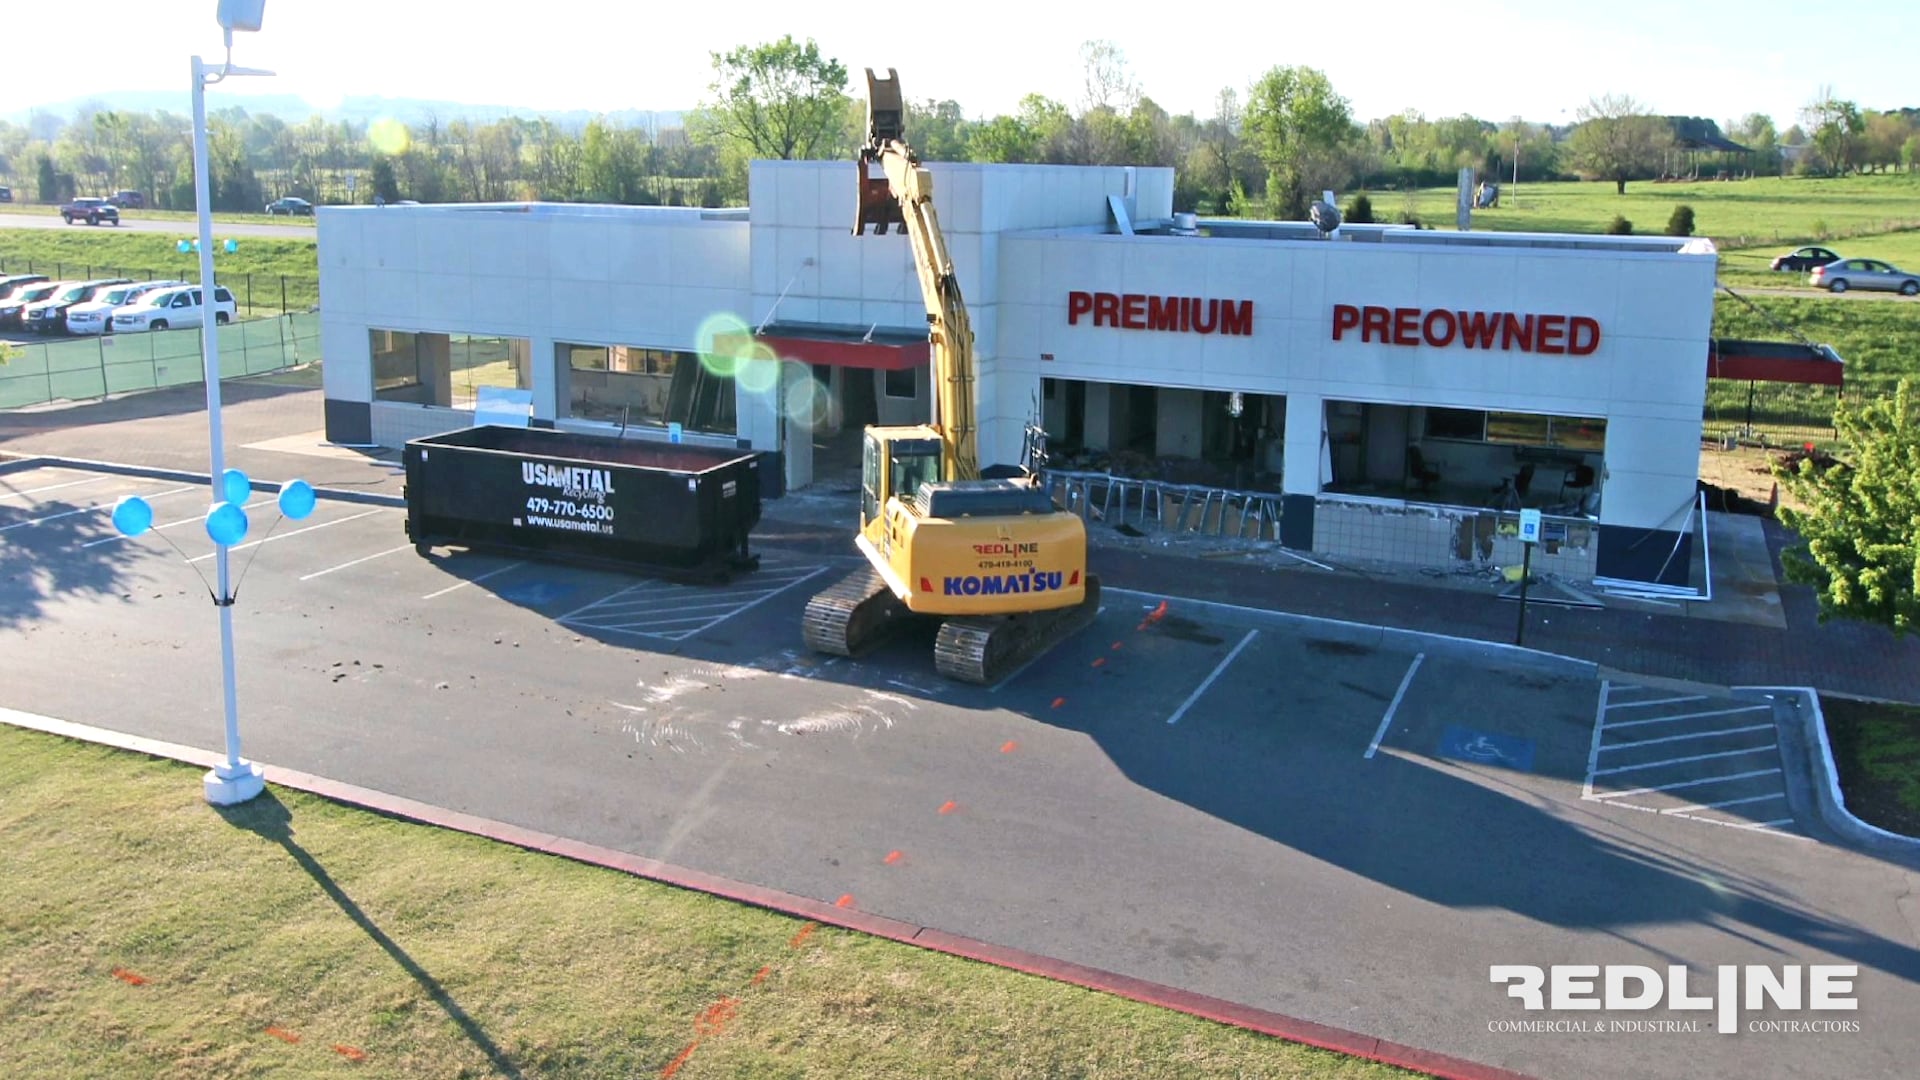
x=46 y=180
x=1298 y=126
x=1884 y=135
x=937 y=130
x=1002 y=139
x=1619 y=140
x=386 y=186
x=778 y=100
x=1861 y=530
x=1107 y=82
x=1836 y=129
x=1910 y=151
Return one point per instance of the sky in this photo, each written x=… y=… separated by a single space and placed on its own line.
x=1494 y=59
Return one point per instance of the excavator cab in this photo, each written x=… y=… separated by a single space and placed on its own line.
x=895 y=461
x=886 y=123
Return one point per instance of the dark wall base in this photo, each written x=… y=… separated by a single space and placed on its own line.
x=537 y=422
x=1296 y=521
x=349 y=422
x=1644 y=555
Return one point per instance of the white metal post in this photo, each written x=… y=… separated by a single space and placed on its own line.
x=234 y=780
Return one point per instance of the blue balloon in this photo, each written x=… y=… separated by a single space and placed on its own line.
x=296 y=499
x=232 y=247
x=185 y=247
x=235 y=485
x=226 y=523
x=132 y=515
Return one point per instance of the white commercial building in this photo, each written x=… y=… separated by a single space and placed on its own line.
x=1380 y=388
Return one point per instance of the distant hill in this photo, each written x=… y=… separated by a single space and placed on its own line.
x=359 y=109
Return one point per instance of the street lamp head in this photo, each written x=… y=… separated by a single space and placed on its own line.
x=241 y=14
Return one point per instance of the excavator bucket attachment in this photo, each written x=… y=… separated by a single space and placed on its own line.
x=886 y=122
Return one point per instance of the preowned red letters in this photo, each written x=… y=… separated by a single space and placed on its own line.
x=1555 y=335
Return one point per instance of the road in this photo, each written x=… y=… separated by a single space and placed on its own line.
x=47 y=219
x=1200 y=796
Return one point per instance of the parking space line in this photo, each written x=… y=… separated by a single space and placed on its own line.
x=356 y=562
x=288 y=535
x=1688 y=735
x=1724 y=803
x=51 y=487
x=117 y=537
x=95 y=509
x=1202 y=688
x=1658 y=701
x=1730 y=777
x=474 y=580
x=1385 y=721
x=642 y=610
x=626 y=611
x=1685 y=760
x=817 y=571
x=1688 y=716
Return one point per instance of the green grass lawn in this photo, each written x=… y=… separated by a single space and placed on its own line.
x=95 y=253
x=145 y=934
x=1767 y=211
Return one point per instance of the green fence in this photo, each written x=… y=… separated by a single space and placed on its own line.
x=93 y=367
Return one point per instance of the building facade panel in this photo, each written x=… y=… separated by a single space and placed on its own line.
x=1381 y=367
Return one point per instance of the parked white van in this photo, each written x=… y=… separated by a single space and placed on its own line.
x=165 y=309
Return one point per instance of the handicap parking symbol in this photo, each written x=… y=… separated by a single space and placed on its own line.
x=1486 y=748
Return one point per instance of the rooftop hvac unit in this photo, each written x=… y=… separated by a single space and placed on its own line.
x=1185 y=225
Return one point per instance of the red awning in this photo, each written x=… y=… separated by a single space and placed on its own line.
x=1774 y=361
x=874 y=348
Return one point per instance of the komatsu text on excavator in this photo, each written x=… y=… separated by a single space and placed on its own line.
x=1002 y=568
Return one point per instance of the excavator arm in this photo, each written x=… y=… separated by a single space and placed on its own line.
x=901 y=194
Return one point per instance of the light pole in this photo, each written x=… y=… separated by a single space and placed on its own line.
x=235 y=779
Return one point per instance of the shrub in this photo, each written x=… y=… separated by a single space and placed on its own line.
x=1681 y=223
x=1408 y=217
x=1619 y=226
x=1360 y=211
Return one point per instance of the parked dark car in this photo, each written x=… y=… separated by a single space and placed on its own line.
x=49 y=316
x=290 y=206
x=90 y=210
x=129 y=200
x=12 y=283
x=15 y=304
x=1804 y=259
x=6 y=194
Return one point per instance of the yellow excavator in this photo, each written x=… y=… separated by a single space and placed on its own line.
x=1000 y=565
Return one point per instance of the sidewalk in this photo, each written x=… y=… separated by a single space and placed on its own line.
x=167 y=429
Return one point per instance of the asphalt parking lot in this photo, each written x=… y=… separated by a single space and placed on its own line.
x=1198 y=795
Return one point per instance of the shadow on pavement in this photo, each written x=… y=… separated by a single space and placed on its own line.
x=266 y=816
x=46 y=556
x=1288 y=767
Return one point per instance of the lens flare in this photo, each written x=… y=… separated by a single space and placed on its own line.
x=806 y=401
x=722 y=341
x=758 y=370
x=389 y=136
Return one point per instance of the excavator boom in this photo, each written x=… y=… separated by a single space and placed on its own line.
x=901 y=194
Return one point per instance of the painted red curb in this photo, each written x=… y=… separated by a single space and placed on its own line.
x=825 y=912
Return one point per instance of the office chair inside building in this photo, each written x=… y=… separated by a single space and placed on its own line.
x=1513 y=489
x=1422 y=475
x=1579 y=478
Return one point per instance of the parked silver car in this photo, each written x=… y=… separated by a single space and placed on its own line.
x=1864 y=274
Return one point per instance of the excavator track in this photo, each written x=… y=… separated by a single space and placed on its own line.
x=853 y=615
x=985 y=649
